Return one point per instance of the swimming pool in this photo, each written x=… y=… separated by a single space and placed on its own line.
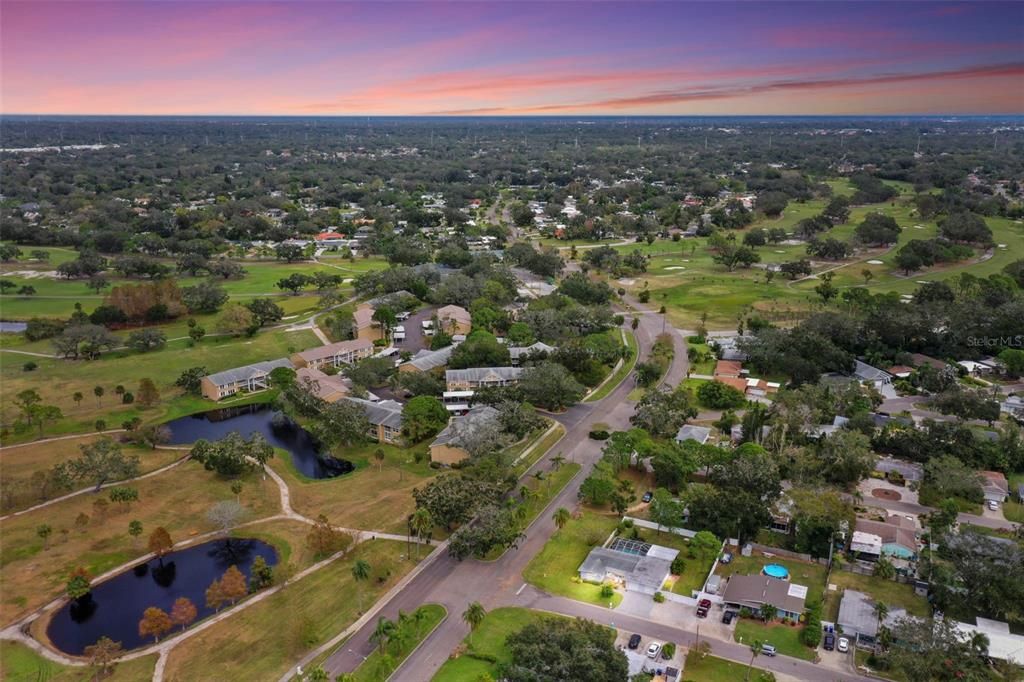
x=776 y=571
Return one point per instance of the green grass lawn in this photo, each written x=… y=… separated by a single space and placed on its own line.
x=712 y=669
x=377 y=669
x=555 y=568
x=58 y=380
x=785 y=638
x=18 y=663
x=488 y=641
x=891 y=593
x=616 y=378
x=706 y=366
x=537 y=449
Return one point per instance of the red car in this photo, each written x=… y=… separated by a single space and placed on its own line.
x=702 y=608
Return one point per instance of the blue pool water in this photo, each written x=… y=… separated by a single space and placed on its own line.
x=776 y=571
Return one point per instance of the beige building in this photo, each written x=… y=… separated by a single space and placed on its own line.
x=249 y=379
x=427 y=360
x=385 y=419
x=364 y=326
x=454 y=320
x=448 y=448
x=334 y=354
x=323 y=386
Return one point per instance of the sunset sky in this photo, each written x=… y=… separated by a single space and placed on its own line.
x=513 y=57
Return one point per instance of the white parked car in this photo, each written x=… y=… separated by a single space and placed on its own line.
x=428 y=324
x=843 y=645
x=993 y=505
x=400 y=329
x=402 y=317
x=653 y=650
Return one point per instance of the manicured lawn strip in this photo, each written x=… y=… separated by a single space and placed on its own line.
x=488 y=640
x=177 y=500
x=539 y=449
x=712 y=669
x=270 y=636
x=289 y=539
x=18 y=663
x=891 y=593
x=542 y=494
x=555 y=568
x=705 y=367
x=616 y=378
x=373 y=497
x=785 y=638
x=58 y=380
x=375 y=669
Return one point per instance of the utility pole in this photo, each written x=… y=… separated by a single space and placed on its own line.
x=769 y=141
x=705 y=143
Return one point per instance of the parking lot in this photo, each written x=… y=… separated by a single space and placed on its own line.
x=414 y=338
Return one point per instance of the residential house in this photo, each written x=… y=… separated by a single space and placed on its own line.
x=250 y=379
x=910 y=471
x=977 y=369
x=481 y=377
x=449 y=446
x=454 y=320
x=699 y=434
x=638 y=566
x=427 y=360
x=918 y=359
x=1003 y=645
x=753 y=591
x=728 y=368
x=759 y=388
x=1013 y=406
x=385 y=419
x=859 y=620
x=334 y=354
x=819 y=430
x=323 y=386
x=517 y=353
x=363 y=325
x=896 y=538
x=995 y=486
x=865 y=373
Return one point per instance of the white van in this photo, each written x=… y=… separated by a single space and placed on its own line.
x=767 y=650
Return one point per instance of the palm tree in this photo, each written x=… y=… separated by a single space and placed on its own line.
x=755 y=650
x=768 y=612
x=881 y=611
x=473 y=616
x=382 y=633
x=561 y=517
x=421 y=523
x=361 y=572
x=557 y=461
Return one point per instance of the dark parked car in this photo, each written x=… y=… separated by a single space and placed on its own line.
x=830 y=641
x=727 y=618
x=648 y=496
x=634 y=641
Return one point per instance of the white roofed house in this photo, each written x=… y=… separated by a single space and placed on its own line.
x=699 y=434
x=519 y=353
x=638 y=566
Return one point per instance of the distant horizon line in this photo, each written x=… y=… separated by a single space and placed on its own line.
x=523 y=116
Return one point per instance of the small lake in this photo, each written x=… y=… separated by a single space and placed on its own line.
x=115 y=607
x=12 y=327
x=278 y=429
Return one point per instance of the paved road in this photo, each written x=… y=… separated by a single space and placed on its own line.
x=921 y=510
x=493 y=584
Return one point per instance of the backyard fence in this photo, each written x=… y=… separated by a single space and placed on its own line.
x=767 y=549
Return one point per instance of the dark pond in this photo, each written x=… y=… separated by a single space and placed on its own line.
x=13 y=327
x=279 y=430
x=115 y=607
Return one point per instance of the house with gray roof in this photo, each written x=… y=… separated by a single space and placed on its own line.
x=752 y=591
x=872 y=375
x=385 y=417
x=517 y=353
x=449 y=446
x=249 y=378
x=695 y=433
x=858 y=619
x=638 y=566
x=481 y=377
x=426 y=360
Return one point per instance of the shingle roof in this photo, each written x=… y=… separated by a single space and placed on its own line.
x=363 y=317
x=476 y=374
x=429 y=359
x=386 y=412
x=754 y=590
x=648 y=570
x=697 y=433
x=332 y=349
x=866 y=372
x=461 y=426
x=539 y=347
x=326 y=384
x=230 y=376
x=454 y=312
